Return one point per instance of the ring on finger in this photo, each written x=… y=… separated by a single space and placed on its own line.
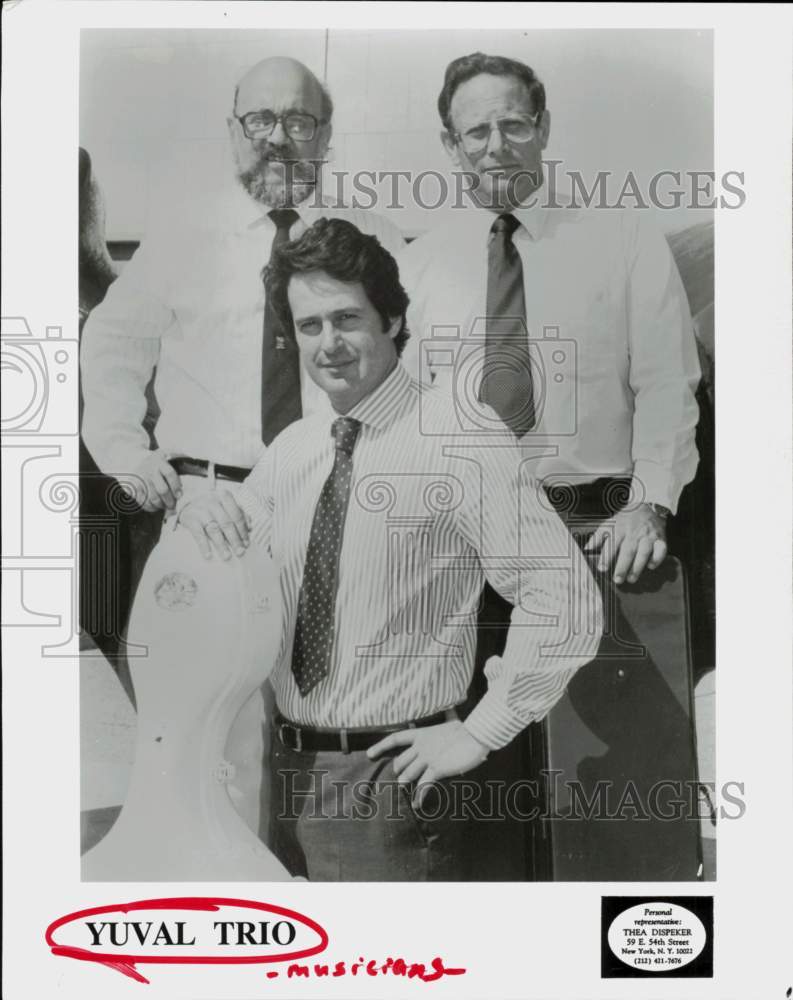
x=211 y=525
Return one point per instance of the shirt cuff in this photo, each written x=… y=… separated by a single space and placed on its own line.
x=652 y=484
x=493 y=723
x=123 y=462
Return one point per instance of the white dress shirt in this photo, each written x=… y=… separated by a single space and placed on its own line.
x=431 y=515
x=191 y=302
x=610 y=332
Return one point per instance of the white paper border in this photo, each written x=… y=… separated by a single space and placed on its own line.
x=537 y=940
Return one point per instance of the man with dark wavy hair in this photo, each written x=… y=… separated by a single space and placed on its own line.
x=383 y=534
x=344 y=253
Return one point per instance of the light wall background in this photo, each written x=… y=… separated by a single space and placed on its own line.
x=153 y=107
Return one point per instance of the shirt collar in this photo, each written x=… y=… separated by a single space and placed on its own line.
x=385 y=403
x=531 y=215
x=243 y=213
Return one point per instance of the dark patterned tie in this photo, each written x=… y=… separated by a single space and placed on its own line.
x=316 y=610
x=280 y=360
x=506 y=375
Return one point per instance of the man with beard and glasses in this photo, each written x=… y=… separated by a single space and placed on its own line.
x=191 y=311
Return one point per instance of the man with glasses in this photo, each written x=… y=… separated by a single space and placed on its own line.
x=191 y=310
x=191 y=305
x=573 y=325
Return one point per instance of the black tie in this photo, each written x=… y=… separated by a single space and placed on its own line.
x=280 y=361
x=316 y=610
x=506 y=375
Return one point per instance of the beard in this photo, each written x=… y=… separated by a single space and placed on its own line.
x=278 y=183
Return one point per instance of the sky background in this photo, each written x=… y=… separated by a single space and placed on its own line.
x=153 y=107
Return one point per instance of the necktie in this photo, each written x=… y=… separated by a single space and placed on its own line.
x=280 y=361
x=506 y=375
x=314 y=631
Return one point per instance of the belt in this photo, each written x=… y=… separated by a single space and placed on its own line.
x=200 y=467
x=306 y=738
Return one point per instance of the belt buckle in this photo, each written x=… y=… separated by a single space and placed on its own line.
x=282 y=728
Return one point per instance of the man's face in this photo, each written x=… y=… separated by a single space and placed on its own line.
x=508 y=169
x=280 y=169
x=340 y=335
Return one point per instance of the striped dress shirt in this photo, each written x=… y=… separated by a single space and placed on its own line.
x=432 y=514
x=190 y=303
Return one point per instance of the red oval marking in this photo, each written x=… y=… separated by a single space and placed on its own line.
x=127 y=963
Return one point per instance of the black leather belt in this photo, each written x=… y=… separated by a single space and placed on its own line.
x=311 y=740
x=200 y=467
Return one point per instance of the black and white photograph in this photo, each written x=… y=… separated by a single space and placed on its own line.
x=395 y=598
x=400 y=388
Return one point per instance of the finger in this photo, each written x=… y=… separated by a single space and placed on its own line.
x=607 y=553
x=132 y=489
x=413 y=771
x=406 y=757
x=215 y=535
x=236 y=518
x=231 y=535
x=596 y=541
x=423 y=787
x=146 y=495
x=143 y=496
x=196 y=529
x=215 y=515
x=171 y=476
x=403 y=738
x=643 y=552
x=625 y=557
x=159 y=484
x=659 y=553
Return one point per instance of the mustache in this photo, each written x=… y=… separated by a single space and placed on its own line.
x=295 y=169
x=278 y=158
x=283 y=154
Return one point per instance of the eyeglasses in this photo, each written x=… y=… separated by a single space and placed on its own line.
x=298 y=125
x=515 y=130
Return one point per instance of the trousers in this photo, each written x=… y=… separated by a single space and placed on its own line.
x=343 y=817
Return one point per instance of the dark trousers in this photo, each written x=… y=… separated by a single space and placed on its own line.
x=342 y=817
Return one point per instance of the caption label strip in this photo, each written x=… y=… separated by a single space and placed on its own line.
x=213 y=930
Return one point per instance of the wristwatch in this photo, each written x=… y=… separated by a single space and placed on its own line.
x=660 y=510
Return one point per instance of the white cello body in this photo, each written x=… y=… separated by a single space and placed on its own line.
x=212 y=631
